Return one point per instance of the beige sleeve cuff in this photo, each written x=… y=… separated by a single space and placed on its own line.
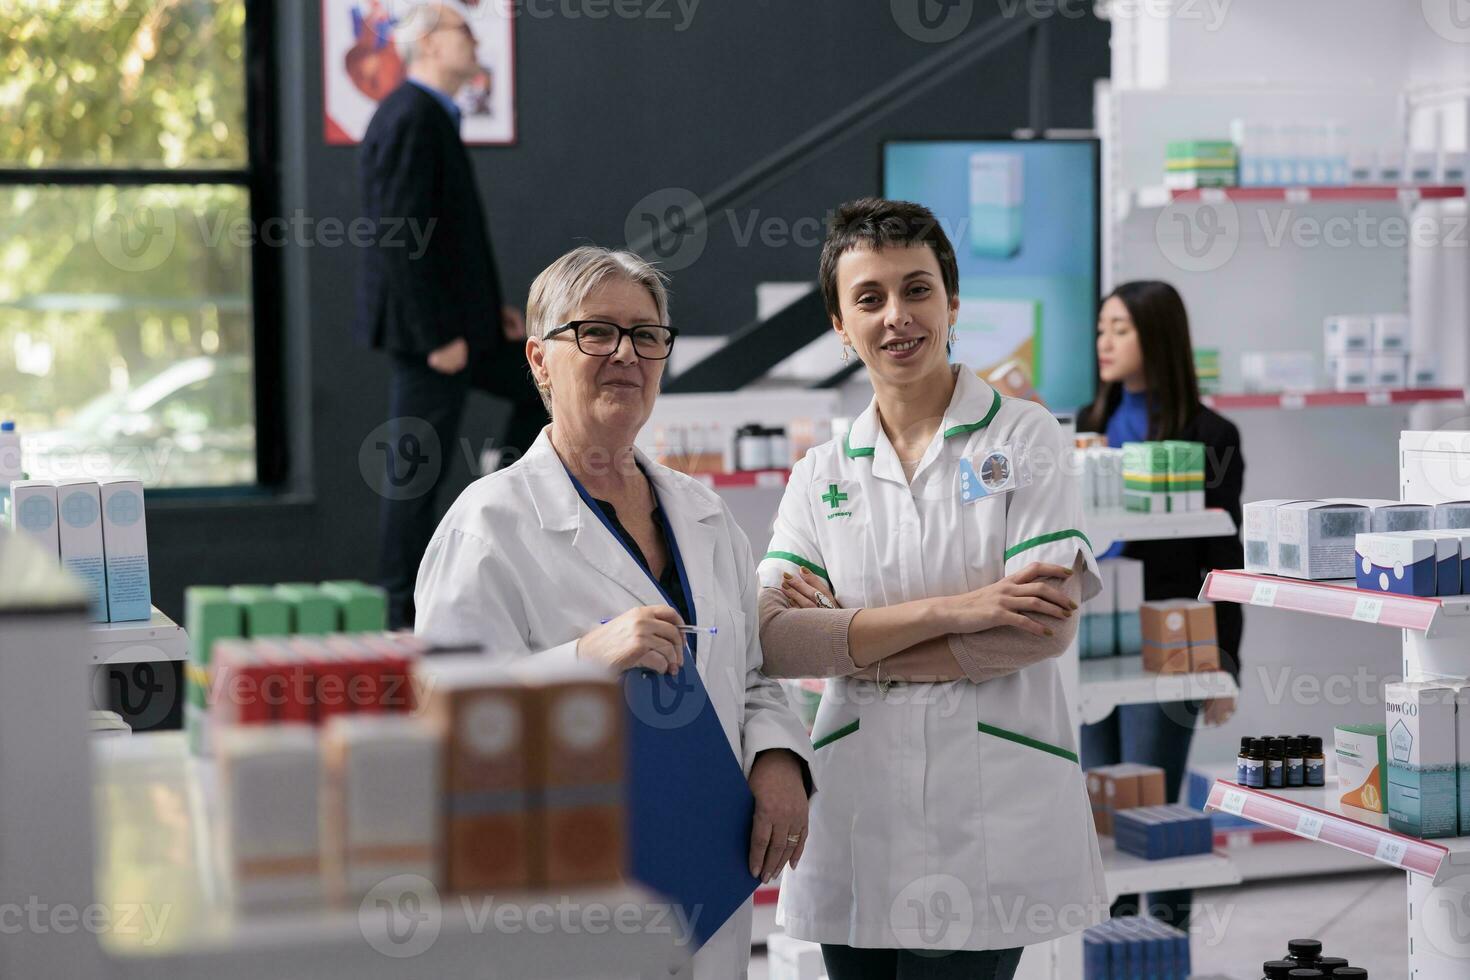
x=803 y=642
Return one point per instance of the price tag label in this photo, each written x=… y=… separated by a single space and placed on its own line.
x=1293 y=401
x=1409 y=196
x=1379 y=398
x=1391 y=851
x=1213 y=195
x=1309 y=825
x=1298 y=195
x=771 y=479
x=1234 y=802
x=1264 y=594
x=1368 y=609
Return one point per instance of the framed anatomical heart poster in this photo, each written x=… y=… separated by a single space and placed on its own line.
x=366 y=48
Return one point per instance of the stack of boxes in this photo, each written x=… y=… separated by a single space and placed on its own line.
x=99 y=532
x=1207 y=369
x=1130 y=947
x=1192 y=164
x=1158 y=833
x=1179 y=637
x=512 y=777
x=1386 y=545
x=1112 y=789
x=1102 y=478
x=1110 y=625
x=213 y=613
x=1374 y=352
x=533 y=773
x=1164 y=477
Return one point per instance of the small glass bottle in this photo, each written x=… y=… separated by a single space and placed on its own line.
x=1316 y=763
x=1304 y=952
x=1296 y=765
x=1278 y=969
x=1275 y=763
x=1242 y=761
x=1350 y=973
x=1329 y=964
x=1255 y=772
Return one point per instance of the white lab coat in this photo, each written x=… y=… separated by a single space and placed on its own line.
x=521 y=565
x=952 y=816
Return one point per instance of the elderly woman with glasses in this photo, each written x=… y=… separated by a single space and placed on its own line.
x=587 y=550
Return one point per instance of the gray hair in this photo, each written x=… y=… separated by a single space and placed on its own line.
x=565 y=285
x=418 y=20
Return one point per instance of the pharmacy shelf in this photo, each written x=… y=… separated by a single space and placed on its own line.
x=1158 y=197
x=1129 y=874
x=1267 y=855
x=1338 y=600
x=1110 y=681
x=1104 y=528
x=1316 y=815
x=764 y=479
x=1294 y=400
x=159 y=639
x=149 y=782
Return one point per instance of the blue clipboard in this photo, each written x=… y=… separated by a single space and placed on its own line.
x=689 y=806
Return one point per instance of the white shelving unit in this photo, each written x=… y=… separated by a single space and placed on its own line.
x=157 y=640
x=1436 y=642
x=132 y=842
x=1106 y=527
x=1111 y=681
x=1128 y=874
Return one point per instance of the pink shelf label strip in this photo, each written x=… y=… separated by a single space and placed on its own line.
x=1403 y=612
x=1374 y=842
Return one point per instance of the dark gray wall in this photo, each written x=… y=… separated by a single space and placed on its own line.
x=609 y=111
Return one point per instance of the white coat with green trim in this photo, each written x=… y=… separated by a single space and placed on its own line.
x=952 y=815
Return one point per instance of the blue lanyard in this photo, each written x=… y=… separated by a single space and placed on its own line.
x=690 y=640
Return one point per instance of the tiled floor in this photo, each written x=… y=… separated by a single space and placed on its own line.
x=1362 y=917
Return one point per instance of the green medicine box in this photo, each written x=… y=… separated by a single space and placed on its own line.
x=210 y=614
x=364 y=607
x=1186 y=475
x=313 y=612
x=1146 y=477
x=266 y=614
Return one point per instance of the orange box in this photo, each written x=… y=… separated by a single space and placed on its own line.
x=1166 y=623
x=1122 y=787
x=1205 y=656
x=481 y=712
x=576 y=759
x=1165 y=660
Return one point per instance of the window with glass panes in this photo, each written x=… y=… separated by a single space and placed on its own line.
x=134 y=168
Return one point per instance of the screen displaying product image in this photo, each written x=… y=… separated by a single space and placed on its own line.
x=1023 y=217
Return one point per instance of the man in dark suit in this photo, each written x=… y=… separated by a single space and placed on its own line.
x=431 y=298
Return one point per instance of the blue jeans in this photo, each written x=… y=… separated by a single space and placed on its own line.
x=1152 y=735
x=847 y=963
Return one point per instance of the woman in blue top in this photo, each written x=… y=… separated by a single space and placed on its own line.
x=1147 y=390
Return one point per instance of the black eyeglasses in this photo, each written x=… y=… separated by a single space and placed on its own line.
x=598 y=338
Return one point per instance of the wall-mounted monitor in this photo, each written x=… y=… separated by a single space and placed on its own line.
x=1024 y=219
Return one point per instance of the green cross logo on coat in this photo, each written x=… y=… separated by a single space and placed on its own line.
x=833 y=498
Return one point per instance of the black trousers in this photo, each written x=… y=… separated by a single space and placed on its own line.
x=425 y=410
x=847 y=963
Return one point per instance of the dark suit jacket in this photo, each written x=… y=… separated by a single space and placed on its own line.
x=1176 y=569
x=414 y=166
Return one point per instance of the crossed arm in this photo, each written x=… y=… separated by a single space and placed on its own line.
x=803 y=638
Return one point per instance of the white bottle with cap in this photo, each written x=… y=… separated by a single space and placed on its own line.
x=10 y=468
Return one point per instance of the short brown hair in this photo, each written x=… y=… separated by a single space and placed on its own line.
x=874 y=223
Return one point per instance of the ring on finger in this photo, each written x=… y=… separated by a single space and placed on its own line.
x=824 y=602
x=793 y=838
